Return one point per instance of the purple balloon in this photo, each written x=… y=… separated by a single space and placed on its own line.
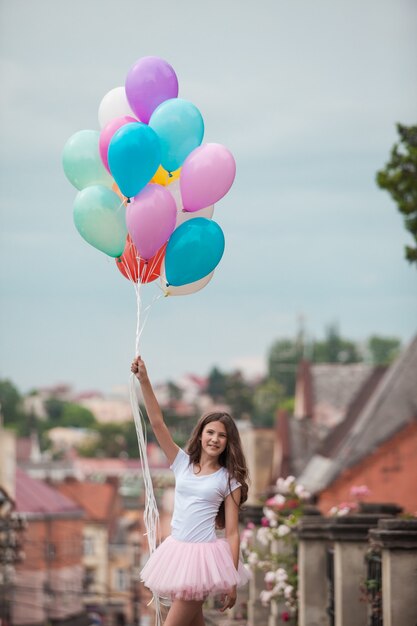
x=206 y=176
x=150 y=219
x=149 y=82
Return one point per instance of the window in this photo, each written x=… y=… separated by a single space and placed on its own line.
x=88 y=545
x=121 y=580
x=89 y=579
x=50 y=551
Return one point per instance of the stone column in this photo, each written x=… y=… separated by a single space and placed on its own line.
x=257 y=613
x=312 y=580
x=398 y=540
x=350 y=536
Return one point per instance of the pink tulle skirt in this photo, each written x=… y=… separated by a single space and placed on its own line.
x=192 y=571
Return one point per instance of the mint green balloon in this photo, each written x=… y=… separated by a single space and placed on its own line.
x=82 y=162
x=99 y=217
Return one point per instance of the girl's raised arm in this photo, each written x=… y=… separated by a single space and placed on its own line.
x=154 y=412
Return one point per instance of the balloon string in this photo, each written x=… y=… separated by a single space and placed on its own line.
x=147 y=311
x=151 y=513
x=127 y=269
x=120 y=205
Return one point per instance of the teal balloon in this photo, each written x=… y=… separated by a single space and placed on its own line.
x=82 y=163
x=99 y=217
x=180 y=128
x=134 y=155
x=193 y=251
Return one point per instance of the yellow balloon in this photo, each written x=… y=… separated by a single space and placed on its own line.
x=174 y=176
x=163 y=178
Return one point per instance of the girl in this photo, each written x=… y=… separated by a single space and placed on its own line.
x=210 y=487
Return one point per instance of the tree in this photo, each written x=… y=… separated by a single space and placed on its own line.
x=267 y=397
x=399 y=178
x=76 y=416
x=384 y=350
x=111 y=442
x=216 y=384
x=11 y=402
x=12 y=410
x=283 y=358
x=54 y=408
x=238 y=395
x=334 y=349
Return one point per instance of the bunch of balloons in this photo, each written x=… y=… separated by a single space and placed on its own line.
x=147 y=185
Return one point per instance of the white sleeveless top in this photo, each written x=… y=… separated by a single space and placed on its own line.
x=197 y=500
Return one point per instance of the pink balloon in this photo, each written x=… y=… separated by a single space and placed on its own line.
x=150 y=219
x=107 y=133
x=206 y=176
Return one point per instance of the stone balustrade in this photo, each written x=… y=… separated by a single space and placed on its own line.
x=336 y=583
x=397 y=538
x=333 y=570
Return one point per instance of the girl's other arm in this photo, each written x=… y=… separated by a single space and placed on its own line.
x=231 y=511
x=154 y=412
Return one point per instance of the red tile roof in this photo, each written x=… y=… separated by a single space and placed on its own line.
x=198 y=380
x=36 y=497
x=95 y=498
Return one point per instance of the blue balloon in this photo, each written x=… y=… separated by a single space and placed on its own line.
x=193 y=251
x=180 y=128
x=134 y=156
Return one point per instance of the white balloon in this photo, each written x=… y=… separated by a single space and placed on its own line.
x=183 y=290
x=114 y=104
x=184 y=216
x=174 y=188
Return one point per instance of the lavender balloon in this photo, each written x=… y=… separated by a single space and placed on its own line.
x=149 y=82
x=206 y=176
x=150 y=219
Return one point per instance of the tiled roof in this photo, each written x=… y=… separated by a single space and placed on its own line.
x=330 y=446
x=95 y=498
x=36 y=497
x=391 y=407
x=198 y=380
x=335 y=385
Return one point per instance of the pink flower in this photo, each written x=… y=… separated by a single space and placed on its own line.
x=264 y=521
x=282 y=505
x=359 y=491
x=285 y=616
x=275 y=500
x=352 y=506
x=250 y=525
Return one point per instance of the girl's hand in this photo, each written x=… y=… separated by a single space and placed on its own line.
x=229 y=600
x=138 y=368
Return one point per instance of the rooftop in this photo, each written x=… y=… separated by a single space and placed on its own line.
x=36 y=497
x=388 y=409
x=95 y=498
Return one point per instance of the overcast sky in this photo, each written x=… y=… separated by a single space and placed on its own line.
x=306 y=96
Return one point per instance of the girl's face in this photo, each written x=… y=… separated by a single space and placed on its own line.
x=214 y=438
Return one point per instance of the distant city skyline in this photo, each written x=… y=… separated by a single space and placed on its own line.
x=306 y=96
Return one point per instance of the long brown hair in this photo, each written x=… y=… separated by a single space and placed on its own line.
x=232 y=457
